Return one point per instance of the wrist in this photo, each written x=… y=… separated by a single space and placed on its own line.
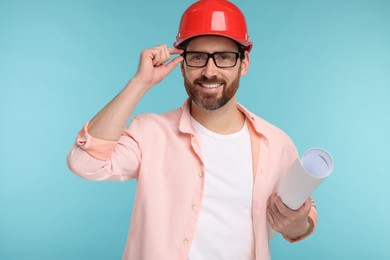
x=308 y=228
x=140 y=82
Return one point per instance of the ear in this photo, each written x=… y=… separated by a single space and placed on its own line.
x=245 y=64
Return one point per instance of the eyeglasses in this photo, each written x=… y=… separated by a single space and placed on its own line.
x=221 y=59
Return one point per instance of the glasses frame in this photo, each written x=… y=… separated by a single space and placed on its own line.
x=210 y=55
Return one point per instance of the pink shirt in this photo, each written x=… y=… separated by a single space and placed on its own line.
x=162 y=152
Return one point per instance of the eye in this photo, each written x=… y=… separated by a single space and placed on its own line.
x=225 y=56
x=196 y=57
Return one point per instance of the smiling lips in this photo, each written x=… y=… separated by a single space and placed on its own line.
x=208 y=85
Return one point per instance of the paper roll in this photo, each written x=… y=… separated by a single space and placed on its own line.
x=305 y=176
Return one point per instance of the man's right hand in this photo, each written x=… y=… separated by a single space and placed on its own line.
x=153 y=66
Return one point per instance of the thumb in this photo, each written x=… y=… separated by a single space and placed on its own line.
x=173 y=63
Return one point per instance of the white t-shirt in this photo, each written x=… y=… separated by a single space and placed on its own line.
x=224 y=229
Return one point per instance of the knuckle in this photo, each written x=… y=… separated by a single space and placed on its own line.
x=144 y=52
x=283 y=211
x=283 y=223
x=279 y=226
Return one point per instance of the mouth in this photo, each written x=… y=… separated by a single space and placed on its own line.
x=210 y=85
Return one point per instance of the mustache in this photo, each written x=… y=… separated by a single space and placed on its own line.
x=205 y=80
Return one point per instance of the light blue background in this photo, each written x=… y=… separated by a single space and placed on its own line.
x=320 y=70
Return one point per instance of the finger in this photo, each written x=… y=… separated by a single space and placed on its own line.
x=305 y=208
x=270 y=219
x=277 y=216
x=173 y=63
x=165 y=55
x=271 y=198
x=282 y=208
x=274 y=204
x=154 y=55
x=175 y=51
x=273 y=220
x=159 y=57
x=271 y=201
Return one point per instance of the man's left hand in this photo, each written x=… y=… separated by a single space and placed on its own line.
x=291 y=223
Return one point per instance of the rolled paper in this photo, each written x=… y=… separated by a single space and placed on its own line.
x=304 y=176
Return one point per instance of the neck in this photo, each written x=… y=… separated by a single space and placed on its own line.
x=224 y=120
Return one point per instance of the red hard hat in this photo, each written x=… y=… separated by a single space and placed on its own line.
x=213 y=17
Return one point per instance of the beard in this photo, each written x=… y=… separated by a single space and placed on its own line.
x=211 y=101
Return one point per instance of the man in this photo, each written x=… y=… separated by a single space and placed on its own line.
x=206 y=172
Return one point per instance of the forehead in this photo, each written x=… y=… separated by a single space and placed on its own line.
x=211 y=43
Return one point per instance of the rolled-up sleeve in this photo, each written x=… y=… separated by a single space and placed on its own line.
x=98 y=159
x=97 y=148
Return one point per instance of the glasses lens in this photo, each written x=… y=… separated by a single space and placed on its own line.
x=225 y=59
x=196 y=59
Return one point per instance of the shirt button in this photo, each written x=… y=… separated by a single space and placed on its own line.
x=194 y=206
x=185 y=241
x=201 y=174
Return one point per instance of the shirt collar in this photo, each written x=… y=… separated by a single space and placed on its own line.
x=185 y=125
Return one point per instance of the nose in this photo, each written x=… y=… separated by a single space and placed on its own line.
x=210 y=70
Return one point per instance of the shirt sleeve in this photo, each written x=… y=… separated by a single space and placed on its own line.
x=97 y=148
x=97 y=159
